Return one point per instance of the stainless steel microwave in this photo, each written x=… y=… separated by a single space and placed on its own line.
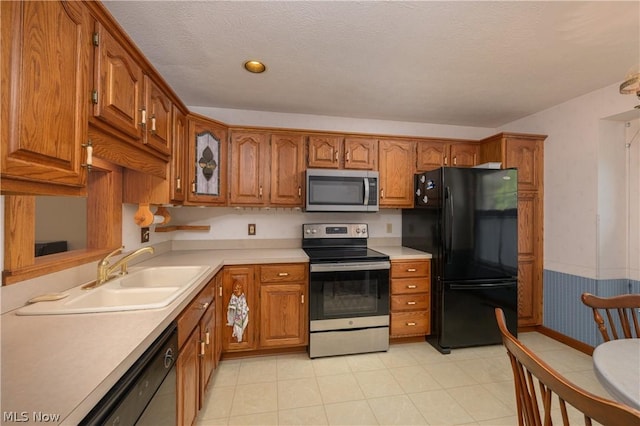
x=342 y=190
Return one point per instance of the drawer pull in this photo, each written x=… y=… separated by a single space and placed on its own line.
x=411 y=269
x=411 y=303
x=412 y=286
x=283 y=274
x=204 y=306
x=411 y=324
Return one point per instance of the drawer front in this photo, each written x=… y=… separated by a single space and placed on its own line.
x=285 y=272
x=410 y=323
x=409 y=285
x=410 y=302
x=406 y=269
x=189 y=318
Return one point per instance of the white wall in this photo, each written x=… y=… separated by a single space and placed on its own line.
x=340 y=124
x=632 y=137
x=582 y=161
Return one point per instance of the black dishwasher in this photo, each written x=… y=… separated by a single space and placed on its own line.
x=146 y=393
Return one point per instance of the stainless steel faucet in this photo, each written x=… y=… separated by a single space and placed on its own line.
x=105 y=269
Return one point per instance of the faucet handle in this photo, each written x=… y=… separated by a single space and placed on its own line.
x=113 y=253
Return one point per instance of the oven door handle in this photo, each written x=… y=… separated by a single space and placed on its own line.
x=346 y=267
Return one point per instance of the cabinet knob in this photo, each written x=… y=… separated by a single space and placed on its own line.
x=204 y=306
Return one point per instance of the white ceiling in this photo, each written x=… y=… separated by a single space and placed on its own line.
x=465 y=63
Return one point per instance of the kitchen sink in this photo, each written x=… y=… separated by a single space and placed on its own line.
x=143 y=288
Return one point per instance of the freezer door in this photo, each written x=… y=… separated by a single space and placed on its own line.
x=468 y=317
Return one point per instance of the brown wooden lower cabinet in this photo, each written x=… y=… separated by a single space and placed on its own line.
x=410 y=298
x=196 y=359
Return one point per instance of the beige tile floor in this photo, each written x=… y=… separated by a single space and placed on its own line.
x=411 y=384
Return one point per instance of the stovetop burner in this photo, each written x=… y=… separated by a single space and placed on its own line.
x=332 y=242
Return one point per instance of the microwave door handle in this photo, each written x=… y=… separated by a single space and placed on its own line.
x=366 y=191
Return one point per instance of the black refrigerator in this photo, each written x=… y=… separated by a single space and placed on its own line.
x=467 y=218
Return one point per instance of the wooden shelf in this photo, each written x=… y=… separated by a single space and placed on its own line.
x=183 y=228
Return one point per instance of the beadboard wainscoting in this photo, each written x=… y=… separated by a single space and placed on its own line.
x=565 y=313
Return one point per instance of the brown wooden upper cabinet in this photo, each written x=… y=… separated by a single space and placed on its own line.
x=249 y=179
x=46 y=49
x=396 y=173
x=287 y=169
x=340 y=152
x=126 y=98
x=118 y=86
x=158 y=120
x=432 y=154
x=206 y=161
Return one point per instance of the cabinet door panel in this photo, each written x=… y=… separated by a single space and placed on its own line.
x=287 y=170
x=241 y=280
x=249 y=160
x=45 y=86
x=283 y=319
x=119 y=83
x=187 y=380
x=396 y=173
x=464 y=155
x=324 y=152
x=178 y=149
x=528 y=215
x=360 y=153
x=525 y=155
x=431 y=155
x=158 y=126
x=207 y=349
x=206 y=162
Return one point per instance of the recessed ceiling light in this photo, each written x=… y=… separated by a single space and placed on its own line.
x=254 y=66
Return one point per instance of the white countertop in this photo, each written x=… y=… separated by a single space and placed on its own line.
x=401 y=253
x=64 y=364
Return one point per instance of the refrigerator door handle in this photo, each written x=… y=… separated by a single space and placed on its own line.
x=449 y=238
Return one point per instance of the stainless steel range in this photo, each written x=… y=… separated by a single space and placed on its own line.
x=348 y=290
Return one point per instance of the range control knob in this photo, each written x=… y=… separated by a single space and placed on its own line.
x=357 y=230
x=314 y=230
x=308 y=231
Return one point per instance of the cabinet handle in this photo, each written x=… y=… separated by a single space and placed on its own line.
x=89 y=147
x=283 y=274
x=204 y=306
x=411 y=303
x=193 y=186
x=299 y=192
x=207 y=339
x=412 y=286
x=382 y=193
x=153 y=124
x=143 y=117
x=455 y=160
x=336 y=156
x=411 y=324
x=411 y=269
x=347 y=157
x=260 y=192
x=220 y=291
x=302 y=299
x=178 y=184
x=445 y=160
x=201 y=348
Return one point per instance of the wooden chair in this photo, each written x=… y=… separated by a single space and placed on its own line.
x=626 y=306
x=536 y=383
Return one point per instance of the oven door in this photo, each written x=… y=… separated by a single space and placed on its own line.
x=348 y=291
